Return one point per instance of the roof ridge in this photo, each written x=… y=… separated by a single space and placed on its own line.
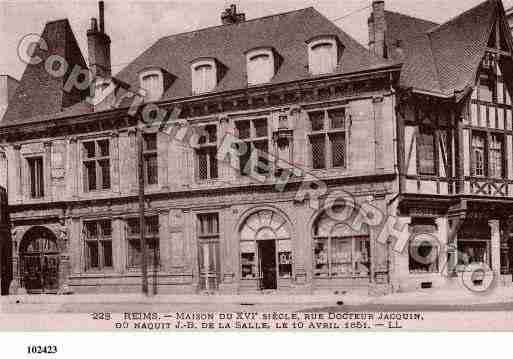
x=237 y=23
x=457 y=17
x=413 y=17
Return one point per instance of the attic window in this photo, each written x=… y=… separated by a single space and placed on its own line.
x=204 y=75
x=260 y=65
x=152 y=81
x=323 y=55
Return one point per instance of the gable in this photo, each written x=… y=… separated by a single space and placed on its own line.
x=39 y=93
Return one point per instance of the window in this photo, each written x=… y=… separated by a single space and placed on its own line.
x=206 y=153
x=255 y=134
x=96 y=165
x=260 y=64
x=323 y=56
x=152 y=81
x=478 y=155
x=423 y=246
x=151 y=235
x=208 y=247
x=327 y=139
x=496 y=157
x=98 y=244
x=338 y=250
x=426 y=151
x=204 y=75
x=473 y=251
x=35 y=166
x=150 y=158
x=487 y=86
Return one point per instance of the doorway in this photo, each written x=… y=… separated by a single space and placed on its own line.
x=39 y=261
x=267 y=263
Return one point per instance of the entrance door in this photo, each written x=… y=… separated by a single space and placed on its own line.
x=267 y=255
x=209 y=273
x=39 y=257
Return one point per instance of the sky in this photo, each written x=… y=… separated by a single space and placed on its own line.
x=135 y=25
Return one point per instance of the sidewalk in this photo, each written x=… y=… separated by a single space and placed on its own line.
x=421 y=297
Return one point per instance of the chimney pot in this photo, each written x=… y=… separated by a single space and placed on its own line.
x=230 y=16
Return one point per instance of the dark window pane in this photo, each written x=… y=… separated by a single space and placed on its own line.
x=318 y=152
x=209 y=224
x=89 y=149
x=91 y=229
x=106 y=228
x=134 y=253
x=92 y=250
x=426 y=153
x=211 y=131
x=151 y=169
x=90 y=175
x=36 y=177
x=133 y=227
x=316 y=120
x=152 y=225
x=337 y=118
x=107 y=253
x=243 y=129
x=150 y=142
x=260 y=127
x=213 y=163
x=103 y=145
x=338 y=148
x=202 y=164
x=263 y=159
x=243 y=161
x=105 y=173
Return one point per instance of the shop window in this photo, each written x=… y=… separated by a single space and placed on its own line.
x=327 y=139
x=426 y=151
x=98 y=244
x=255 y=134
x=96 y=165
x=424 y=247
x=206 y=153
x=151 y=235
x=339 y=251
x=150 y=158
x=472 y=251
x=36 y=176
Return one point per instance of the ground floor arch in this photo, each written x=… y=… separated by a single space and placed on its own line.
x=39 y=261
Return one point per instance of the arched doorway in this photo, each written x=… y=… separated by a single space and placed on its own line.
x=39 y=261
x=266 y=249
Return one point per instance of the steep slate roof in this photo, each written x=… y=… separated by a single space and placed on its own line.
x=445 y=58
x=40 y=94
x=40 y=97
x=287 y=33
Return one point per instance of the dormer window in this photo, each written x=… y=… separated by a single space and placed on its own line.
x=260 y=66
x=323 y=55
x=204 y=73
x=152 y=82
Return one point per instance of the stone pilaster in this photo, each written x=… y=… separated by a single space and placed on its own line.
x=132 y=159
x=15 y=183
x=115 y=163
x=163 y=160
x=165 y=241
x=75 y=245
x=118 y=245
x=47 y=170
x=495 y=246
x=3 y=170
x=442 y=225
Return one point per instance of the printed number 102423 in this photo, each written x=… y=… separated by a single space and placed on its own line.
x=41 y=349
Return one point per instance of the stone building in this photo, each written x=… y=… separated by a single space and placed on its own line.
x=257 y=135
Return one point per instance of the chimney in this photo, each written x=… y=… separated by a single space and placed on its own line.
x=377 y=29
x=230 y=16
x=98 y=44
